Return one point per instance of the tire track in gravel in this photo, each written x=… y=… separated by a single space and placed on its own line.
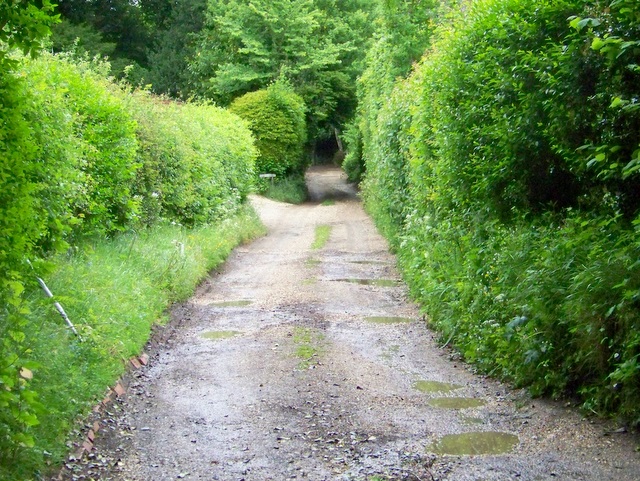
x=308 y=388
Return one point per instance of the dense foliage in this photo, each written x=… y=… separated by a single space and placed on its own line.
x=402 y=34
x=221 y=50
x=504 y=169
x=503 y=166
x=276 y=116
x=83 y=159
x=315 y=44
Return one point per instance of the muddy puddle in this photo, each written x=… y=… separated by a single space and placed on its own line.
x=433 y=387
x=475 y=443
x=456 y=402
x=471 y=421
x=217 y=335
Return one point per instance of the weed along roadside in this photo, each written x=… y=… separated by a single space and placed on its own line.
x=263 y=375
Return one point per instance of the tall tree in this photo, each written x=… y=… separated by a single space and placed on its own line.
x=246 y=45
x=175 y=46
x=23 y=24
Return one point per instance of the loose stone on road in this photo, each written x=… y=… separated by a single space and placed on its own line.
x=300 y=363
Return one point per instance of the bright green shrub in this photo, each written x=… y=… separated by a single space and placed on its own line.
x=197 y=160
x=403 y=33
x=21 y=225
x=88 y=132
x=276 y=116
x=66 y=146
x=515 y=161
x=73 y=170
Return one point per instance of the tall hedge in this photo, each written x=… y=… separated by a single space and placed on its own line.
x=81 y=158
x=513 y=149
x=404 y=31
x=197 y=161
x=276 y=116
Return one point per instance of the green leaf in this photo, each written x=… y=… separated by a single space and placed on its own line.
x=597 y=44
x=617 y=102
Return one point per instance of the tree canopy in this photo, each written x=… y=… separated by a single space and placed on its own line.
x=316 y=45
x=221 y=50
x=24 y=25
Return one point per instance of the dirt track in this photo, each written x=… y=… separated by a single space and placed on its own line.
x=303 y=380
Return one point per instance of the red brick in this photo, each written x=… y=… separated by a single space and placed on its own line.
x=87 y=446
x=144 y=359
x=119 y=390
x=135 y=363
x=91 y=435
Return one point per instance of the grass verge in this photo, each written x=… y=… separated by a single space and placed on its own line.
x=292 y=190
x=114 y=291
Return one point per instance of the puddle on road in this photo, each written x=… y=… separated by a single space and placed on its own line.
x=372 y=282
x=456 y=402
x=216 y=335
x=473 y=444
x=312 y=262
x=387 y=320
x=230 y=303
x=432 y=387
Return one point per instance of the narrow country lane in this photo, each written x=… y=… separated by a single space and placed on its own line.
x=301 y=363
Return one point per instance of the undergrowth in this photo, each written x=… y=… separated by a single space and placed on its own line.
x=292 y=189
x=114 y=291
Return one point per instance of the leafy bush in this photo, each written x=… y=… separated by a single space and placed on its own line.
x=91 y=136
x=512 y=150
x=72 y=170
x=276 y=116
x=197 y=160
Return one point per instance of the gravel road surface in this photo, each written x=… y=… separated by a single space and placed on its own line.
x=312 y=364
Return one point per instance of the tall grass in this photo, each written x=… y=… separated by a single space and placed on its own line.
x=292 y=189
x=114 y=291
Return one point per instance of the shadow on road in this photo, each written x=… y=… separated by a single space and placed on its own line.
x=327 y=182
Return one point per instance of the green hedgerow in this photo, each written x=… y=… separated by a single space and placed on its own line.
x=276 y=116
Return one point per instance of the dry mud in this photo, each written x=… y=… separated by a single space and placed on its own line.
x=295 y=363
